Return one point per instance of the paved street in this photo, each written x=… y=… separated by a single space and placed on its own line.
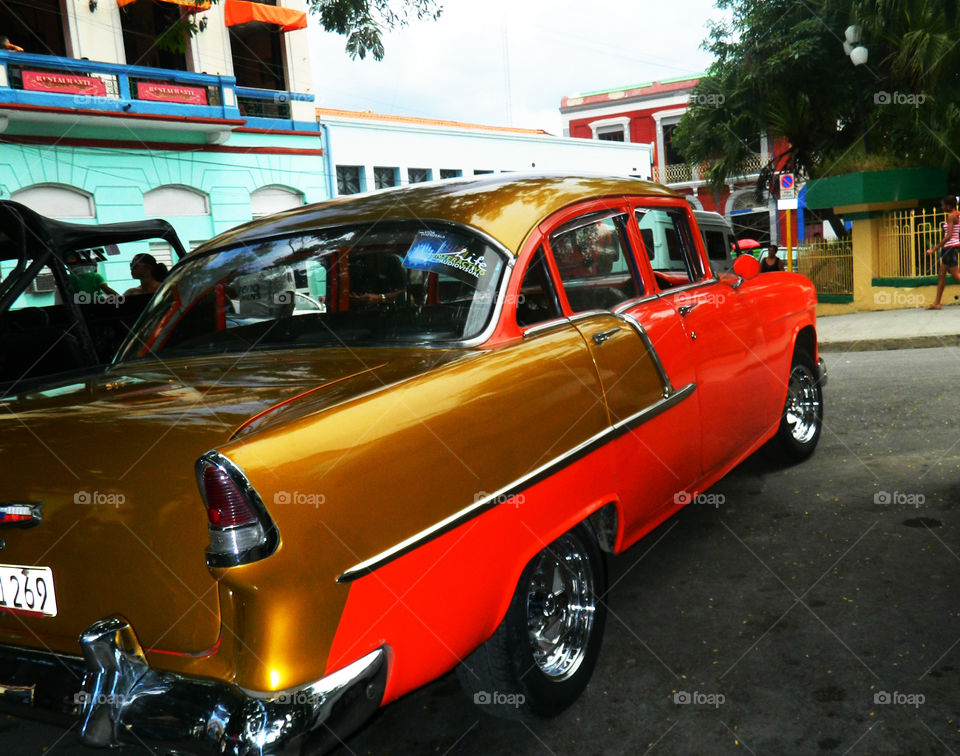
x=788 y=615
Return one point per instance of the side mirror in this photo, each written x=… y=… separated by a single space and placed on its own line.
x=746 y=267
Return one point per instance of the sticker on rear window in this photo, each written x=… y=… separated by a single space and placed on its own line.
x=439 y=253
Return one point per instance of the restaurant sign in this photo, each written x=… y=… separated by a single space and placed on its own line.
x=148 y=90
x=49 y=81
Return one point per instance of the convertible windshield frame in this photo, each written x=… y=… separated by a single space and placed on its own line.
x=128 y=352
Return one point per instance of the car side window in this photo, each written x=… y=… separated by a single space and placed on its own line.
x=537 y=301
x=38 y=334
x=716 y=244
x=669 y=246
x=593 y=258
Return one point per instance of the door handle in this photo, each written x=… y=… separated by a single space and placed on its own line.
x=685 y=309
x=602 y=336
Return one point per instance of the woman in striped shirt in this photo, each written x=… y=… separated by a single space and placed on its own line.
x=949 y=246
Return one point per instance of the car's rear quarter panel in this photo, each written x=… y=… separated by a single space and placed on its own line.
x=390 y=465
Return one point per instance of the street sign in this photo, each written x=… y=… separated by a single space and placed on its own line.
x=788 y=204
x=788 y=189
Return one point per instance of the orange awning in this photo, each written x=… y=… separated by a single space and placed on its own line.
x=239 y=12
x=194 y=5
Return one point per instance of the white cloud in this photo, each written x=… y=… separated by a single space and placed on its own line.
x=456 y=67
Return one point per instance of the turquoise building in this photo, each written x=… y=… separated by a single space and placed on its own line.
x=99 y=125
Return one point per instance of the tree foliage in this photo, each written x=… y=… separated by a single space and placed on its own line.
x=363 y=22
x=780 y=68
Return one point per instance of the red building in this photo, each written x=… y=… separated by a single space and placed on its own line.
x=647 y=114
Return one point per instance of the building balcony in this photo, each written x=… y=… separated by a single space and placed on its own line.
x=695 y=175
x=44 y=87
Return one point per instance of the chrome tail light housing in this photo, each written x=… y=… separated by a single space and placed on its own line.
x=241 y=530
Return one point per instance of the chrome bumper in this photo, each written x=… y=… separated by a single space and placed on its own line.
x=821 y=372
x=119 y=698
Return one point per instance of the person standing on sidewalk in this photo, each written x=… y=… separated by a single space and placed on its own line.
x=949 y=246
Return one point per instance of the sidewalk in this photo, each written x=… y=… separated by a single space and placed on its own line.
x=889 y=329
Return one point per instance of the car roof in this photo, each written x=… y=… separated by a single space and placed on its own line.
x=709 y=216
x=506 y=207
x=48 y=236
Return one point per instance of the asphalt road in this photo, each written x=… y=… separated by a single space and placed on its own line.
x=815 y=610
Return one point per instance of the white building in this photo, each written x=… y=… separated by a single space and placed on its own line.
x=374 y=151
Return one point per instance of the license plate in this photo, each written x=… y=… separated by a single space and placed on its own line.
x=27 y=590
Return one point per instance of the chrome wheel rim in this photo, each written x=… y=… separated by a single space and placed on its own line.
x=802 y=412
x=561 y=604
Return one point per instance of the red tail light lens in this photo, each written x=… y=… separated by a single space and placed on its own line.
x=226 y=505
x=240 y=528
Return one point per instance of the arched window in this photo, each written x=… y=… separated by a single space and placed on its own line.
x=272 y=199
x=165 y=201
x=57 y=201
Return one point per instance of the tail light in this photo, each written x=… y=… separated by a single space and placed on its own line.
x=240 y=527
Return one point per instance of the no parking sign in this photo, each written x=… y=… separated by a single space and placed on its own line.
x=788 y=189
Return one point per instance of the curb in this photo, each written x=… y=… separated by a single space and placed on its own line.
x=904 y=342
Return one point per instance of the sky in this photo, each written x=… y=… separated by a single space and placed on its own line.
x=509 y=62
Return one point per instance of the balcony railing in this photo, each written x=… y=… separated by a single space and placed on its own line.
x=48 y=81
x=270 y=109
x=683 y=173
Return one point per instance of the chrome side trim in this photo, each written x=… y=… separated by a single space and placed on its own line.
x=511 y=489
x=624 y=306
x=667 y=384
x=689 y=286
x=587 y=314
x=544 y=327
x=821 y=372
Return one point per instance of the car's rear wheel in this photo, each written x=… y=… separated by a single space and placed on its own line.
x=542 y=655
x=802 y=418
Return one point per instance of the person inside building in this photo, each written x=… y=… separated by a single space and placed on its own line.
x=948 y=247
x=149 y=272
x=6 y=44
x=771 y=262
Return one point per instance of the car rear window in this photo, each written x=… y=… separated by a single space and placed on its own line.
x=386 y=284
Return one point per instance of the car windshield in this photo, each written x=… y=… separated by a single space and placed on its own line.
x=386 y=284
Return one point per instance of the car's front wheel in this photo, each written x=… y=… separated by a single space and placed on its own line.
x=542 y=655
x=802 y=418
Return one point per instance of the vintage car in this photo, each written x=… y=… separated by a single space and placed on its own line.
x=264 y=521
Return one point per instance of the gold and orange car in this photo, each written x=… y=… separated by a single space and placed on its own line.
x=350 y=447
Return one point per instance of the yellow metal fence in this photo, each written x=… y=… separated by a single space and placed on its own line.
x=904 y=237
x=829 y=264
